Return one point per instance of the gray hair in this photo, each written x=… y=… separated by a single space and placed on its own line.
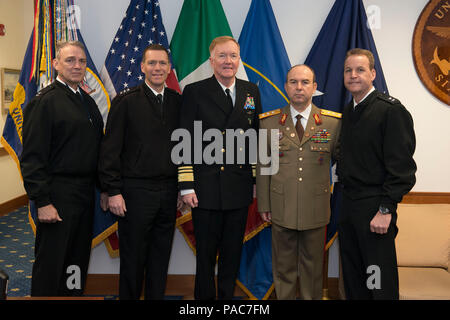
x=62 y=44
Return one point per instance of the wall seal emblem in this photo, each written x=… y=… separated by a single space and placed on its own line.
x=431 y=49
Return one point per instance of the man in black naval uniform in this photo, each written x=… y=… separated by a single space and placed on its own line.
x=136 y=170
x=219 y=193
x=62 y=131
x=377 y=169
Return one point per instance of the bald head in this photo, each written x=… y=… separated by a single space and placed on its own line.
x=303 y=66
x=300 y=86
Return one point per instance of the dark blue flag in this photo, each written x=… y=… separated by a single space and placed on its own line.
x=266 y=64
x=345 y=28
x=25 y=90
x=263 y=54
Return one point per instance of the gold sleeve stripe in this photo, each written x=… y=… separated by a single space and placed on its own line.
x=185 y=167
x=185 y=174
x=184 y=177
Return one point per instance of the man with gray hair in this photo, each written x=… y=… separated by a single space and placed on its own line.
x=62 y=130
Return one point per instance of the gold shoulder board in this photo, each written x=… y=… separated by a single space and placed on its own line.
x=269 y=113
x=331 y=113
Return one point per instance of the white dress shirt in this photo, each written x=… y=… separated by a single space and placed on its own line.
x=305 y=116
x=74 y=91
x=156 y=92
x=232 y=89
x=370 y=91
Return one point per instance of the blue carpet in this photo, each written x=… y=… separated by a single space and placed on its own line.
x=17 y=251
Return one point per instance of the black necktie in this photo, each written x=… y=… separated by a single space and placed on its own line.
x=230 y=101
x=299 y=127
x=159 y=98
x=79 y=96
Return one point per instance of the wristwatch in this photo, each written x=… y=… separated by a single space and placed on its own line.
x=383 y=210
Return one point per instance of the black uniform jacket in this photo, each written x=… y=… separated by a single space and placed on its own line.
x=376 y=150
x=137 y=139
x=61 y=136
x=220 y=186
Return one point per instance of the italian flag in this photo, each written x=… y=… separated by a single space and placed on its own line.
x=200 y=21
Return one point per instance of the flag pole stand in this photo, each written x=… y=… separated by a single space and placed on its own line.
x=325 y=277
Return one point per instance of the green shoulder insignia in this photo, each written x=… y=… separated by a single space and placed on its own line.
x=269 y=113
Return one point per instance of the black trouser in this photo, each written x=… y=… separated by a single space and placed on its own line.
x=66 y=243
x=363 y=252
x=146 y=236
x=218 y=232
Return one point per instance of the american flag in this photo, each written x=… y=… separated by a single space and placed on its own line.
x=141 y=27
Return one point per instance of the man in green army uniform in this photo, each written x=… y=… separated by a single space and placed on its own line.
x=296 y=199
